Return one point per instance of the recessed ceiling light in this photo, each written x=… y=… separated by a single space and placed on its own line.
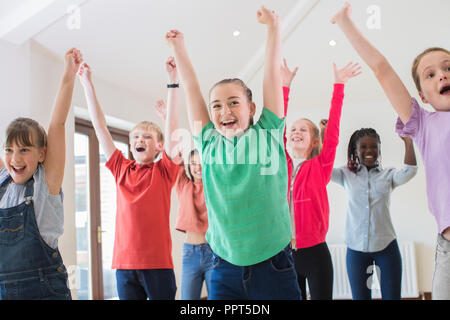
x=236 y=33
x=332 y=43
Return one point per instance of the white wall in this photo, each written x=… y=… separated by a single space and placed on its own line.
x=29 y=82
x=409 y=207
x=46 y=71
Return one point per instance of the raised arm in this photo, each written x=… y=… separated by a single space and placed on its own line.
x=171 y=123
x=392 y=85
x=96 y=112
x=272 y=90
x=331 y=136
x=197 y=109
x=55 y=159
x=410 y=155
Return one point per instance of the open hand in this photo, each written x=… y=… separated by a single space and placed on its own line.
x=344 y=13
x=161 y=109
x=349 y=71
x=287 y=75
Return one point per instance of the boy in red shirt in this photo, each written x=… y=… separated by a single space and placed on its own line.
x=142 y=246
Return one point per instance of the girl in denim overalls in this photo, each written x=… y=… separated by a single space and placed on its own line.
x=31 y=210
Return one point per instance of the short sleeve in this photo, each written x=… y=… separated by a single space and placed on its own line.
x=182 y=178
x=204 y=137
x=269 y=120
x=115 y=162
x=413 y=126
x=169 y=167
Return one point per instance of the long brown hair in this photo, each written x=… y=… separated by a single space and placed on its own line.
x=26 y=132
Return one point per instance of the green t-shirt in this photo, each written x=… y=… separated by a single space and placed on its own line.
x=245 y=183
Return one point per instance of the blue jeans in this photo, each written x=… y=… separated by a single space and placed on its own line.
x=387 y=261
x=197 y=267
x=154 y=284
x=272 y=279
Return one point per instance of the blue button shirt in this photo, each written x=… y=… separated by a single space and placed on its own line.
x=368 y=226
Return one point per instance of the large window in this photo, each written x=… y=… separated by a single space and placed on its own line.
x=95 y=196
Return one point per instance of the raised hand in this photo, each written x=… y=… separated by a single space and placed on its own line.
x=72 y=62
x=349 y=71
x=344 y=13
x=85 y=74
x=161 y=109
x=266 y=16
x=287 y=75
x=174 y=38
x=171 y=68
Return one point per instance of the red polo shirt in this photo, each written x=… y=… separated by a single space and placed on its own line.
x=142 y=238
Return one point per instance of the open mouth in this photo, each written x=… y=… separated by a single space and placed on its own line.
x=445 y=90
x=18 y=170
x=140 y=149
x=228 y=123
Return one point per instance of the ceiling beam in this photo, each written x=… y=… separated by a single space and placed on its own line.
x=29 y=18
x=289 y=24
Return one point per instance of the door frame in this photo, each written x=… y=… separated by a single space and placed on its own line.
x=85 y=127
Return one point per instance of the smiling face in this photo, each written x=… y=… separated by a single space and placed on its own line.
x=22 y=161
x=195 y=167
x=302 y=138
x=433 y=75
x=367 y=149
x=145 y=144
x=231 y=109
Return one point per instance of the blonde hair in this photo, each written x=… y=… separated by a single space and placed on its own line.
x=149 y=126
x=316 y=135
x=416 y=63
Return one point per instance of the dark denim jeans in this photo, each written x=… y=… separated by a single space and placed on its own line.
x=152 y=284
x=272 y=279
x=389 y=264
x=197 y=267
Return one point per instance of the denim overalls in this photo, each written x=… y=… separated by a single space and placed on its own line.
x=29 y=268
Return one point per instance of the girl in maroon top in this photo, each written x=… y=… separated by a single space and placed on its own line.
x=309 y=169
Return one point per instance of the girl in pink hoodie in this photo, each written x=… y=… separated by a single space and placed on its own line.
x=309 y=169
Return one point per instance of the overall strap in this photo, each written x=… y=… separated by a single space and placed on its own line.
x=29 y=189
x=4 y=186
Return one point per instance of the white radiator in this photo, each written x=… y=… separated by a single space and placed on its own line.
x=341 y=285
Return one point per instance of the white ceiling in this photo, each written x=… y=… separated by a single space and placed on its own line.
x=123 y=40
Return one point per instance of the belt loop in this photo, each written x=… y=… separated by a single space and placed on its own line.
x=41 y=275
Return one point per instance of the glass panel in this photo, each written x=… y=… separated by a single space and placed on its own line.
x=108 y=218
x=82 y=216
